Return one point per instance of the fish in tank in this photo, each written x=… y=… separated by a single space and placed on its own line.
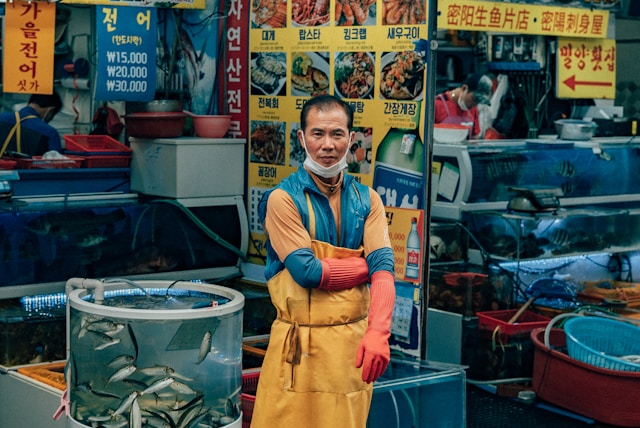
x=155 y=357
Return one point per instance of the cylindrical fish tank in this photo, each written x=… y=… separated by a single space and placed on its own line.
x=153 y=353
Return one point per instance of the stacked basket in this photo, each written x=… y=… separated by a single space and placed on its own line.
x=99 y=151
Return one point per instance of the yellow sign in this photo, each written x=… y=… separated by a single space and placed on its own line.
x=178 y=4
x=518 y=18
x=586 y=68
x=28 y=47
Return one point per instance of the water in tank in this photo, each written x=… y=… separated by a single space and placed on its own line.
x=153 y=353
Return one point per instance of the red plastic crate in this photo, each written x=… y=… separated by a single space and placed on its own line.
x=8 y=164
x=526 y=322
x=608 y=396
x=37 y=162
x=107 y=161
x=94 y=145
x=248 y=396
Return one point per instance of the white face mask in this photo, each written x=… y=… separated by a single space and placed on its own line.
x=461 y=103
x=323 y=171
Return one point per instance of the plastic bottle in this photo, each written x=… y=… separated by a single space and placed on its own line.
x=399 y=167
x=412 y=270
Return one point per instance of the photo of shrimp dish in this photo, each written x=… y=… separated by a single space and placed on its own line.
x=403 y=12
x=355 y=12
x=310 y=13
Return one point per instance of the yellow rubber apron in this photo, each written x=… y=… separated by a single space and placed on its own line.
x=15 y=130
x=308 y=378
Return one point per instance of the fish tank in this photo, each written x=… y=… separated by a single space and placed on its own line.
x=32 y=329
x=168 y=353
x=47 y=240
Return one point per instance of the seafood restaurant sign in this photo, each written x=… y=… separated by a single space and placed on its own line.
x=365 y=52
x=126 y=40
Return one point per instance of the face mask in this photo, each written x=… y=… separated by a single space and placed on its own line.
x=323 y=171
x=461 y=103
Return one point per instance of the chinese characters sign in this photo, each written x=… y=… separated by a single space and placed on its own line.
x=586 y=68
x=28 y=47
x=126 y=68
x=522 y=18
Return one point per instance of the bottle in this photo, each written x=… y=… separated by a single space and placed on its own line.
x=412 y=270
x=399 y=167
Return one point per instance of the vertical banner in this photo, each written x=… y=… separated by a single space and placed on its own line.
x=366 y=53
x=236 y=63
x=126 y=50
x=28 y=47
x=586 y=68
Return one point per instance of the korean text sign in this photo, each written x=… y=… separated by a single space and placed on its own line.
x=28 y=47
x=126 y=39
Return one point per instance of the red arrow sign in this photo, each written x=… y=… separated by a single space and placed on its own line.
x=571 y=82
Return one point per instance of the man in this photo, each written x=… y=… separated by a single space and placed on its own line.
x=327 y=236
x=28 y=131
x=460 y=105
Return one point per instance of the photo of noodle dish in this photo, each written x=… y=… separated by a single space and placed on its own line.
x=354 y=75
x=402 y=75
x=268 y=73
x=309 y=73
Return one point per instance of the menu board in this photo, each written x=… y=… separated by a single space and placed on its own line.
x=363 y=51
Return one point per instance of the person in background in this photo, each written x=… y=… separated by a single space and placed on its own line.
x=460 y=105
x=28 y=131
x=327 y=237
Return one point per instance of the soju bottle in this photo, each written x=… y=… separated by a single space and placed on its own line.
x=399 y=169
x=412 y=269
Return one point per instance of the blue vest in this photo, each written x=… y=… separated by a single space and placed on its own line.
x=355 y=205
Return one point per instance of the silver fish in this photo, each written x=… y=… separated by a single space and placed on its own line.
x=157 y=386
x=126 y=403
x=112 y=342
x=122 y=373
x=135 y=415
x=181 y=388
x=121 y=361
x=205 y=347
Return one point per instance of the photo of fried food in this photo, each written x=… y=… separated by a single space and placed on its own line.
x=309 y=73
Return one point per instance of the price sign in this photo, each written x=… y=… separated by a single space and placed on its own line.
x=126 y=53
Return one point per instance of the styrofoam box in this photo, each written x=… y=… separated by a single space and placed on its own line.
x=188 y=167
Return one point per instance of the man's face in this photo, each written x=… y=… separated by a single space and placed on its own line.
x=327 y=137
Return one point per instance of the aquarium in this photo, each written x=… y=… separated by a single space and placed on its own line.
x=165 y=352
x=32 y=329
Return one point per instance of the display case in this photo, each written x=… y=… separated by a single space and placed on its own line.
x=479 y=175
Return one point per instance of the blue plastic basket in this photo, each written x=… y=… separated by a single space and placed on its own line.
x=602 y=342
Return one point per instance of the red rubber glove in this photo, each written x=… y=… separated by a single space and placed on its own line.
x=341 y=274
x=373 y=353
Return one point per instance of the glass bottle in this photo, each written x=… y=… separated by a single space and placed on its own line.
x=412 y=270
x=399 y=169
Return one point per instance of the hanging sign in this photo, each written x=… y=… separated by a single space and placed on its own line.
x=28 y=47
x=473 y=15
x=586 y=68
x=126 y=49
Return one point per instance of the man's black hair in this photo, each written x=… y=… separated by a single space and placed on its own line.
x=325 y=102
